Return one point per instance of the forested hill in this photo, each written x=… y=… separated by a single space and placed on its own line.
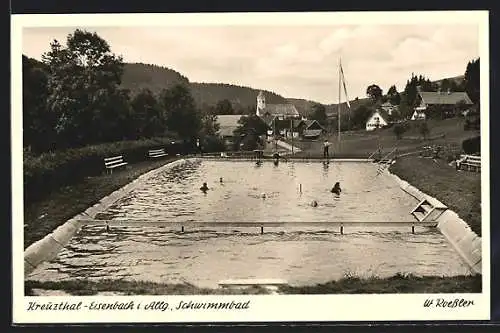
x=240 y=97
x=156 y=78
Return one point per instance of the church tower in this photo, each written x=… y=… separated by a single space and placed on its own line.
x=261 y=103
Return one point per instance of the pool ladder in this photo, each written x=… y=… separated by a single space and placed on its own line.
x=427 y=211
x=386 y=161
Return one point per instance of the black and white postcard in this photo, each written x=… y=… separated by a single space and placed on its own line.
x=250 y=167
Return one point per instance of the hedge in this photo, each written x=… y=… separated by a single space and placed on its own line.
x=472 y=145
x=50 y=171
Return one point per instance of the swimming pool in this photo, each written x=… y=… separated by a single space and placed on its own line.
x=304 y=253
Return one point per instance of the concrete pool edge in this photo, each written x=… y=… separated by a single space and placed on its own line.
x=456 y=231
x=48 y=247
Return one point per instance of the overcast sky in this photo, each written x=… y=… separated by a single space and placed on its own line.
x=293 y=61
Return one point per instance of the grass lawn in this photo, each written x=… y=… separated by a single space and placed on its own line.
x=349 y=285
x=361 y=144
x=43 y=216
x=459 y=190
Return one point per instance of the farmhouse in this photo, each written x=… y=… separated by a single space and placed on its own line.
x=379 y=118
x=446 y=101
x=310 y=129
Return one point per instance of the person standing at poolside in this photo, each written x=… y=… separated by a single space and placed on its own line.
x=326 y=146
x=198 y=147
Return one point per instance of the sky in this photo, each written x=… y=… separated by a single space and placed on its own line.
x=293 y=61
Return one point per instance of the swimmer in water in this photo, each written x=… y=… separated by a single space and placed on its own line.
x=336 y=188
x=204 y=188
x=314 y=203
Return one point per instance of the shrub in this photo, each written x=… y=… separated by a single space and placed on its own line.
x=472 y=145
x=52 y=170
x=399 y=130
x=424 y=129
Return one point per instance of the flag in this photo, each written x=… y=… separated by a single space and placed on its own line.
x=345 y=88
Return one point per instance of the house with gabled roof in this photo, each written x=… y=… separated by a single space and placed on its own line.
x=445 y=99
x=378 y=119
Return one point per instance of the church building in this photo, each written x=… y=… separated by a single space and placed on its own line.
x=281 y=111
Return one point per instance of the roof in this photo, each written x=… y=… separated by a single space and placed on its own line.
x=311 y=133
x=228 y=123
x=312 y=121
x=268 y=119
x=280 y=109
x=444 y=98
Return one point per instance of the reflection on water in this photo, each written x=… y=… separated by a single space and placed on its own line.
x=299 y=254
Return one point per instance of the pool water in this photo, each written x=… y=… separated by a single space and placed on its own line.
x=299 y=253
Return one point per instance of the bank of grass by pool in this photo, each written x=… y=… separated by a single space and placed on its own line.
x=397 y=284
x=46 y=214
x=459 y=190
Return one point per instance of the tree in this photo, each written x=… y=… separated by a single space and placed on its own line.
x=224 y=107
x=182 y=116
x=360 y=116
x=424 y=129
x=318 y=113
x=248 y=132
x=472 y=80
x=148 y=115
x=81 y=79
x=374 y=92
x=411 y=88
x=38 y=122
x=399 y=130
x=393 y=95
x=210 y=126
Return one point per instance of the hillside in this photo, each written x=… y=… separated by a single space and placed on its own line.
x=155 y=78
x=302 y=105
x=240 y=97
x=138 y=76
x=458 y=79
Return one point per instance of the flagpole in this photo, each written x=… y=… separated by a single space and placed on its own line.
x=338 y=113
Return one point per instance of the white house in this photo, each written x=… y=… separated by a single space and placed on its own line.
x=379 y=118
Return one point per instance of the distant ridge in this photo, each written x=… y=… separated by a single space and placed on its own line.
x=138 y=76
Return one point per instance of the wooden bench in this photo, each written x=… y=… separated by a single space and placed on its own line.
x=154 y=153
x=469 y=163
x=114 y=162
